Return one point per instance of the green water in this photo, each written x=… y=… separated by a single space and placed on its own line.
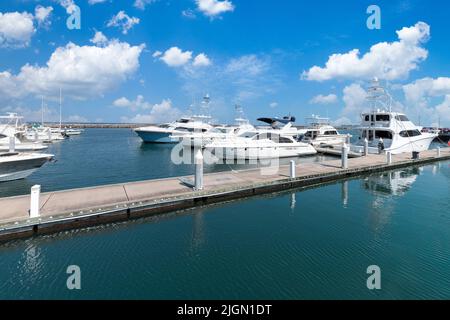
x=304 y=244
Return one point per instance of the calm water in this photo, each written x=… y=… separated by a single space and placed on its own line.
x=313 y=243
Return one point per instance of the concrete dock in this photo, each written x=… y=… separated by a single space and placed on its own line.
x=68 y=209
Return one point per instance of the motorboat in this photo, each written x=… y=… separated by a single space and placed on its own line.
x=171 y=132
x=388 y=131
x=17 y=165
x=320 y=133
x=72 y=131
x=44 y=134
x=11 y=135
x=265 y=145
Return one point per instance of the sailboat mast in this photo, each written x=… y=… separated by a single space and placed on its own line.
x=42 y=112
x=60 y=108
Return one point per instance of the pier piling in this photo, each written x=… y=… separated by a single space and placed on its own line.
x=366 y=147
x=388 y=157
x=34 y=201
x=199 y=170
x=292 y=169
x=344 y=157
x=438 y=151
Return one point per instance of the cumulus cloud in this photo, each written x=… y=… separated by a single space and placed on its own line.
x=273 y=104
x=123 y=21
x=384 y=60
x=159 y=112
x=16 y=29
x=96 y=1
x=213 y=8
x=421 y=94
x=175 y=57
x=324 y=99
x=81 y=71
x=138 y=104
x=354 y=97
x=201 y=60
x=156 y=54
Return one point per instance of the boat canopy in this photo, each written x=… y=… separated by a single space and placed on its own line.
x=273 y=121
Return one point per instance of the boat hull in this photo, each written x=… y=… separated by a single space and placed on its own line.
x=257 y=153
x=155 y=137
x=19 y=168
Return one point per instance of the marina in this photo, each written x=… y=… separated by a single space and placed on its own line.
x=84 y=207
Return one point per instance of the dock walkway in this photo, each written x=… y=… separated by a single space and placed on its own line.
x=67 y=209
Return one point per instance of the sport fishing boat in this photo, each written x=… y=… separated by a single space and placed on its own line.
x=320 y=133
x=11 y=135
x=16 y=165
x=263 y=145
x=386 y=130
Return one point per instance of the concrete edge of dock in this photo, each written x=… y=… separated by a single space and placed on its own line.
x=133 y=210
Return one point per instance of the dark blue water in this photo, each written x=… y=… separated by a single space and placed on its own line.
x=313 y=243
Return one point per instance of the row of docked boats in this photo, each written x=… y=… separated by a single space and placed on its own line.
x=381 y=129
x=21 y=146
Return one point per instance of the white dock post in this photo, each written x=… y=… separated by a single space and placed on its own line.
x=344 y=156
x=366 y=147
x=292 y=170
x=34 y=202
x=438 y=151
x=12 y=144
x=388 y=157
x=347 y=139
x=199 y=170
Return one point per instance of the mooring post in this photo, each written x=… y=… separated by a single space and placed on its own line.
x=344 y=156
x=388 y=157
x=438 y=151
x=292 y=169
x=12 y=144
x=34 y=202
x=199 y=170
x=366 y=147
x=347 y=139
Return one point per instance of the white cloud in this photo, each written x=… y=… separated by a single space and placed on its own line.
x=201 y=60
x=156 y=54
x=251 y=65
x=141 y=4
x=175 y=57
x=188 y=13
x=160 y=112
x=212 y=8
x=385 y=60
x=273 y=104
x=16 y=29
x=138 y=104
x=324 y=99
x=421 y=94
x=69 y=5
x=341 y=121
x=42 y=15
x=99 y=39
x=81 y=71
x=354 y=97
x=96 y=1
x=123 y=21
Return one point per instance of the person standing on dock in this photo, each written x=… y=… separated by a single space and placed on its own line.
x=380 y=145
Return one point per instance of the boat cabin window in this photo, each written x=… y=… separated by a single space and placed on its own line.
x=401 y=117
x=382 y=117
x=366 y=118
x=383 y=134
x=2 y=136
x=285 y=140
x=164 y=126
x=331 y=132
x=409 y=133
x=247 y=134
x=183 y=121
x=367 y=134
x=311 y=134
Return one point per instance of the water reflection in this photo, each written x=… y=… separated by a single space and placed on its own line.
x=385 y=188
x=198 y=230
x=293 y=201
x=344 y=193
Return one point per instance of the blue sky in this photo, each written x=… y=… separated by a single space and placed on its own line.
x=152 y=59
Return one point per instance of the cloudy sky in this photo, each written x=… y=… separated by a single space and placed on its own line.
x=148 y=60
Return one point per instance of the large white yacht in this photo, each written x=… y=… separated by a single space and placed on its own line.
x=263 y=145
x=163 y=133
x=320 y=132
x=386 y=130
x=15 y=165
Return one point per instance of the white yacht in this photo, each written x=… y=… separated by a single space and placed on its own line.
x=320 y=133
x=263 y=145
x=12 y=129
x=15 y=165
x=386 y=130
x=163 y=133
